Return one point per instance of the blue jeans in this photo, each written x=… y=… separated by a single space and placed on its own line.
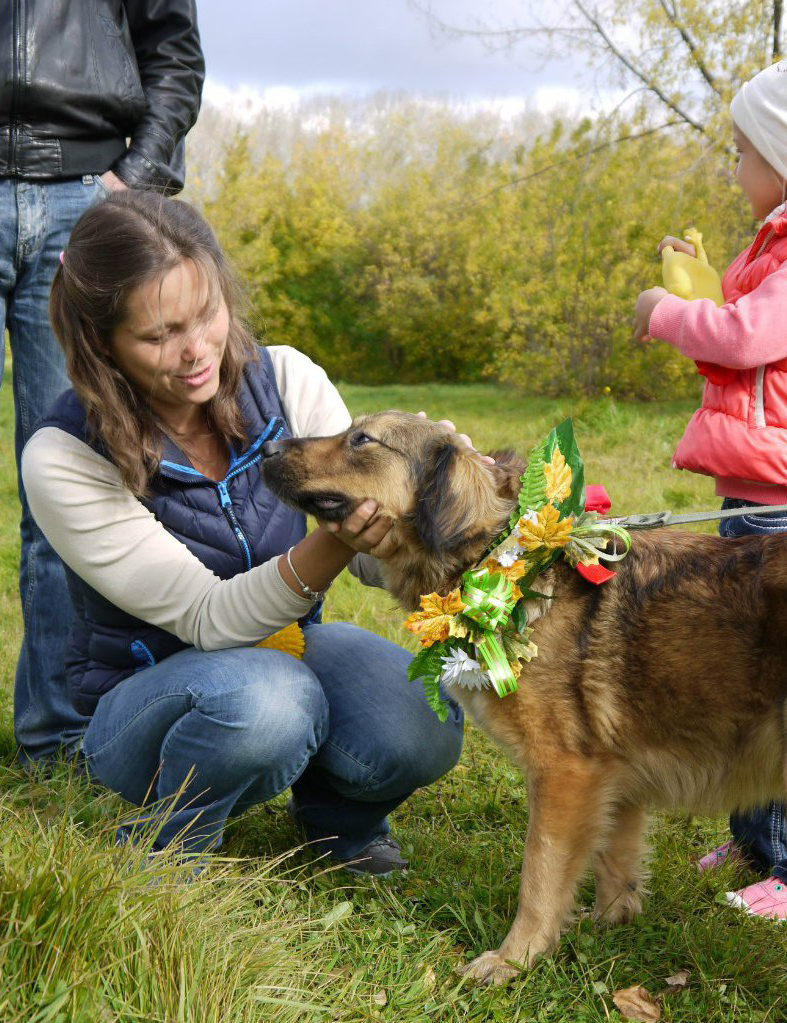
x=35 y=223
x=204 y=735
x=760 y=833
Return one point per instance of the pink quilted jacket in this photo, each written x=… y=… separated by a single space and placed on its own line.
x=740 y=433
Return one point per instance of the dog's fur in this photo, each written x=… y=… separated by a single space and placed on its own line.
x=663 y=688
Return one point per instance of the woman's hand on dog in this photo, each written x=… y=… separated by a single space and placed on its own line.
x=486 y=459
x=365 y=531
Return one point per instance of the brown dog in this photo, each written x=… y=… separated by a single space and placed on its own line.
x=663 y=688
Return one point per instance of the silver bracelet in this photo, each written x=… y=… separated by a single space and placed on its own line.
x=307 y=590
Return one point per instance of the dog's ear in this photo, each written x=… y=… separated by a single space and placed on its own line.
x=434 y=480
x=507 y=470
x=456 y=499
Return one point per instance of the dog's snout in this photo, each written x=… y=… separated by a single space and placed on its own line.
x=273 y=447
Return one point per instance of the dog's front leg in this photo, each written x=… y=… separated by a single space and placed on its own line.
x=568 y=809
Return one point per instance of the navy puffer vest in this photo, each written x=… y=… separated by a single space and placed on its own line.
x=230 y=526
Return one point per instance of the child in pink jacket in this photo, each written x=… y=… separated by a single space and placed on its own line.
x=739 y=435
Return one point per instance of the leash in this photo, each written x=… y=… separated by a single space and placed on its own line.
x=655 y=520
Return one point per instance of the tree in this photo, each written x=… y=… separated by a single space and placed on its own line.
x=687 y=56
x=456 y=249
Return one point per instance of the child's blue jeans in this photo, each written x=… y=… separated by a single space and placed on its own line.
x=760 y=833
x=344 y=727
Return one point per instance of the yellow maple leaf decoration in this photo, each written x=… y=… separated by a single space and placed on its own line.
x=549 y=530
x=558 y=474
x=511 y=572
x=433 y=622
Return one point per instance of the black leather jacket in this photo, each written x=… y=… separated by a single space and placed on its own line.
x=80 y=77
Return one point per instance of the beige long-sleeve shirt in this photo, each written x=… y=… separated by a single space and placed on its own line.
x=108 y=537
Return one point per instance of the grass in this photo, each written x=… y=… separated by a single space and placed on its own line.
x=268 y=935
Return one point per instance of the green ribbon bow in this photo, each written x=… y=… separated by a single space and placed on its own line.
x=489 y=599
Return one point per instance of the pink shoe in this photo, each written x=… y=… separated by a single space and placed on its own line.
x=765 y=898
x=726 y=853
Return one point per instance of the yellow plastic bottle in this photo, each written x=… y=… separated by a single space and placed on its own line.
x=690 y=276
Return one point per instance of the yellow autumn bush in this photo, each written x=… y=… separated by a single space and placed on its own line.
x=470 y=256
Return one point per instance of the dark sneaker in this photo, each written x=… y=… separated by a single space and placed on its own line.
x=379 y=858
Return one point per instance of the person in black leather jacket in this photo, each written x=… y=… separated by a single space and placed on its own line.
x=95 y=95
x=79 y=79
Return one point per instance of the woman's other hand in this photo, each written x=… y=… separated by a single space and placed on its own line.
x=487 y=459
x=646 y=303
x=365 y=531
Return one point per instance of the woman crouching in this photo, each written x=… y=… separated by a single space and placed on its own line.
x=145 y=478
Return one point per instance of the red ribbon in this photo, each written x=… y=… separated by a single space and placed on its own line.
x=597 y=500
x=595 y=574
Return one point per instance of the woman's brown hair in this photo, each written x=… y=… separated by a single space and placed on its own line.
x=121 y=243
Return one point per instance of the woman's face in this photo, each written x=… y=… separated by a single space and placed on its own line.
x=169 y=345
x=760 y=183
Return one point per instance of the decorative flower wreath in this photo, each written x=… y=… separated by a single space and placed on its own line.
x=477 y=636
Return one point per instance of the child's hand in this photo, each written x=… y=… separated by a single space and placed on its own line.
x=678 y=245
x=646 y=303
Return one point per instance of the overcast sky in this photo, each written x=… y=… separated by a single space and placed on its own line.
x=276 y=50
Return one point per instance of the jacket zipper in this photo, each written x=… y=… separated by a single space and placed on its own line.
x=229 y=511
x=759 y=376
x=224 y=498
x=759 y=397
x=15 y=72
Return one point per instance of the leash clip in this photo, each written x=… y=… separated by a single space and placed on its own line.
x=652 y=521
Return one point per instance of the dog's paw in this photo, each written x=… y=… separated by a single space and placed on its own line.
x=489 y=968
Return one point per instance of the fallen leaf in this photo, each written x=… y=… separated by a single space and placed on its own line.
x=340 y=910
x=679 y=979
x=429 y=977
x=636 y=1003
x=381 y=998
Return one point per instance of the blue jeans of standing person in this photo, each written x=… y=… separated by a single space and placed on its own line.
x=36 y=219
x=205 y=735
x=759 y=834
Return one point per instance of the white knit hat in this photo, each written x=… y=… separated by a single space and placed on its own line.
x=759 y=109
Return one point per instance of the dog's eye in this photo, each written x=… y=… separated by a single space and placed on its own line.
x=361 y=438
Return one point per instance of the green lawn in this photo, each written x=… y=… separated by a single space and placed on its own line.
x=267 y=936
